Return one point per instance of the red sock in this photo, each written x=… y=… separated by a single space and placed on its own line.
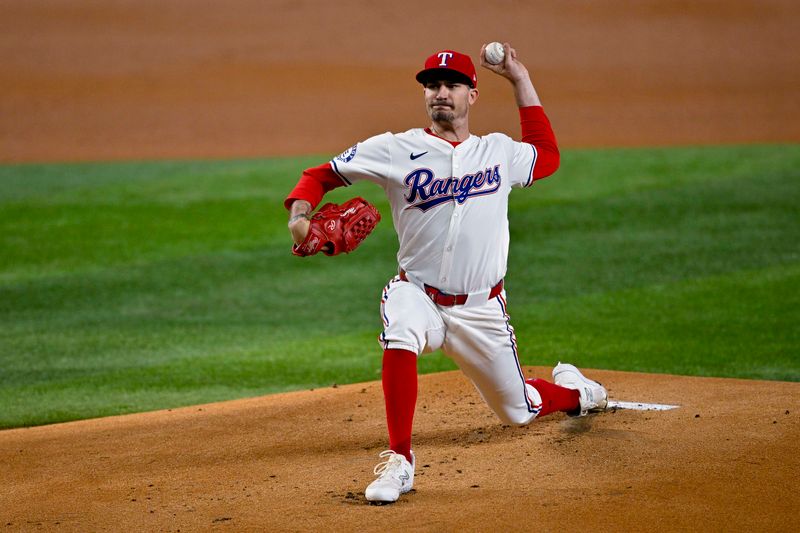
x=399 y=379
x=555 y=397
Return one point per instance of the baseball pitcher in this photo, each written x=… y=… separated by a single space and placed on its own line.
x=448 y=190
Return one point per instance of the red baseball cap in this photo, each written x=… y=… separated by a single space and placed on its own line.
x=449 y=64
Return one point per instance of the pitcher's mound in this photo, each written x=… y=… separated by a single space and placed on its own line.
x=726 y=459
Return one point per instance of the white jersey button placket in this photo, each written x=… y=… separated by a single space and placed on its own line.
x=453 y=230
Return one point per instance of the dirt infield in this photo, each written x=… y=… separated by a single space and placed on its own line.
x=246 y=78
x=726 y=460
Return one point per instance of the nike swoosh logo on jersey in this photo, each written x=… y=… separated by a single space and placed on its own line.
x=417 y=156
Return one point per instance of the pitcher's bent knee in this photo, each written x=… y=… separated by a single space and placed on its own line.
x=516 y=417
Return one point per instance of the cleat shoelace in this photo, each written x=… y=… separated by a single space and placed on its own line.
x=394 y=459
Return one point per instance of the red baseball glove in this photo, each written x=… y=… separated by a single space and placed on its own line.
x=339 y=228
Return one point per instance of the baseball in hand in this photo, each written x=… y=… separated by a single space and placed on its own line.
x=495 y=53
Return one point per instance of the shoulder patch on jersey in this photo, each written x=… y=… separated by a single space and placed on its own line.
x=347 y=155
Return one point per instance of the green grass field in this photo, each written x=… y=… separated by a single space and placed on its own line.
x=135 y=286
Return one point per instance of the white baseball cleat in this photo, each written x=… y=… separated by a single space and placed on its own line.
x=593 y=396
x=395 y=477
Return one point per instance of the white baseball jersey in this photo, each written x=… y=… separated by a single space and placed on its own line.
x=450 y=210
x=449 y=204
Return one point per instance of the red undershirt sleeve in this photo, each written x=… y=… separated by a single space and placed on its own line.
x=313 y=185
x=536 y=130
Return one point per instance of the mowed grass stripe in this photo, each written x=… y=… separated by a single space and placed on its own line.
x=738 y=325
x=137 y=286
x=709 y=326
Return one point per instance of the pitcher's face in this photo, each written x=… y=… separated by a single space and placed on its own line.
x=448 y=101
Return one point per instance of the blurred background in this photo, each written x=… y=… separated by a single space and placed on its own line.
x=130 y=79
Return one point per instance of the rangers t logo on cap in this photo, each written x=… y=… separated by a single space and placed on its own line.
x=449 y=64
